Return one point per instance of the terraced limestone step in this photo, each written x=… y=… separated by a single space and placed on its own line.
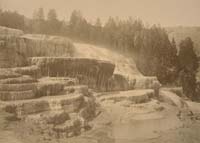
x=92 y=72
x=17 y=87
x=67 y=81
x=135 y=96
x=33 y=71
x=14 y=86
x=18 y=80
x=16 y=95
x=51 y=86
x=12 y=92
x=21 y=88
x=69 y=103
x=48 y=88
x=7 y=73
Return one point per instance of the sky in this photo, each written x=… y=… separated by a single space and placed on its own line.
x=163 y=12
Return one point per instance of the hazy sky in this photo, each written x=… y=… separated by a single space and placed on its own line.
x=164 y=12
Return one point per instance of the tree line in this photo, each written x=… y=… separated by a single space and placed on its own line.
x=155 y=54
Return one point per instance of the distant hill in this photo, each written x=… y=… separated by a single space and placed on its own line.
x=179 y=33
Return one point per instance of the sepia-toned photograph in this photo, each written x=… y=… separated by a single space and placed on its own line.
x=99 y=71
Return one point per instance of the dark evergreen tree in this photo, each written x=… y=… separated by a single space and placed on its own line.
x=188 y=67
x=12 y=20
x=53 y=24
x=97 y=31
x=156 y=55
x=75 y=24
x=38 y=22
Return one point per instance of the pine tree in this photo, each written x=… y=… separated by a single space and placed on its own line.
x=188 y=67
x=187 y=56
x=53 y=24
x=52 y=15
x=75 y=24
x=39 y=15
x=39 y=21
x=97 y=31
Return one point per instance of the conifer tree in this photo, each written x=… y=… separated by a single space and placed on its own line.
x=188 y=67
